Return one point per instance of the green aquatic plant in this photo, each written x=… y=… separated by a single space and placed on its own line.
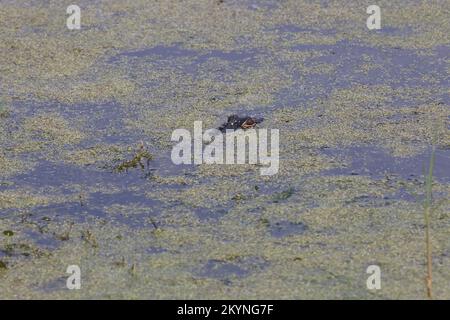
x=140 y=158
x=15 y=249
x=65 y=236
x=428 y=209
x=8 y=233
x=283 y=195
x=89 y=237
x=133 y=270
x=238 y=197
x=4 y=110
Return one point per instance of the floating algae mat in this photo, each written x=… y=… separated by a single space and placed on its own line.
x=87 y=181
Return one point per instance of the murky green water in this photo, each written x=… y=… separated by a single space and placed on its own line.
x=357 y=111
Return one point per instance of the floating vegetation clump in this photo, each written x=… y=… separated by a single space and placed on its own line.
x=140 y=159
x=283 y=195
x=8 y=233
x=4 y=112
x=10 y=166
x=52 y=128
x=22 y=250
x=99 y=155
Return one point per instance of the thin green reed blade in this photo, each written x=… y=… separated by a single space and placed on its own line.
x=429 y=179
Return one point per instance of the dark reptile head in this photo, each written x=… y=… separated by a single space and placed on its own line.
x=235 y=122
